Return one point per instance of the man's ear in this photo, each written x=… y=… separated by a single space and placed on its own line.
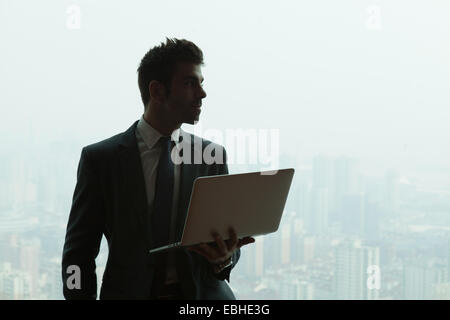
x=157 y=91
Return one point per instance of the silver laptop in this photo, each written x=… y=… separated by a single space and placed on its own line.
x=252 y=203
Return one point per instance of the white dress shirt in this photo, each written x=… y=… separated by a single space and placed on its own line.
x=147 y=138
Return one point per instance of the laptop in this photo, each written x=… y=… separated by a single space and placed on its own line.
x=252 y=203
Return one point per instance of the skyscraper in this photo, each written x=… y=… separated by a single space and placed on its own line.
x=318 y=219
x=448 y=260
x=346 y=174
x=323 y=178
x=286 y=243
x=253 y=260
x=418 y=281
x=371 y=219
x=353 y=214
x=357 y=269
x=391 y=192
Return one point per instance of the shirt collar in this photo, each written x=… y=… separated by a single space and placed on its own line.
x=151 y=136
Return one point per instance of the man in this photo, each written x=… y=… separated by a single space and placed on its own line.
x=130 y=190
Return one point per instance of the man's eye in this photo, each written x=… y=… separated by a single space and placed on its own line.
x=193 y=83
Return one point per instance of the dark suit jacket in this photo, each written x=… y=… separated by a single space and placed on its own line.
x=110 y=199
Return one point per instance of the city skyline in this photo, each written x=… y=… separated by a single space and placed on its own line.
x=34 y=237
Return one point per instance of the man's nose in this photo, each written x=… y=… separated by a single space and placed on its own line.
x=202 y=93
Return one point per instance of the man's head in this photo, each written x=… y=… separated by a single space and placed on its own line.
x=169 y=78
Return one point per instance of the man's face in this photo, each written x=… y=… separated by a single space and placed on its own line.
x=186 y=94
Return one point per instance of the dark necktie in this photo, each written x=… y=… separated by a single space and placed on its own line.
x=163 y=195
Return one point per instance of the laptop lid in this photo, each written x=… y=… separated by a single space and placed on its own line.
x=252 y=203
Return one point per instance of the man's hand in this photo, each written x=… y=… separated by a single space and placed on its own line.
x=221 y=250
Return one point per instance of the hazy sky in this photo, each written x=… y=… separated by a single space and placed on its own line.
x=369 y=79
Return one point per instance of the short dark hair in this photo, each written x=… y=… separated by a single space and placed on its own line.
x=159 y=63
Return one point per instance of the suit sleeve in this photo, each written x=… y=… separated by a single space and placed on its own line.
x=225 y=274
x=83 y=234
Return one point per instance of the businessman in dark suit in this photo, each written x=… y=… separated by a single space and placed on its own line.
x=130 y=190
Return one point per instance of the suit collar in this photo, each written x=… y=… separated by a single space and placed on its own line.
x=128 y=139
x=151 y=135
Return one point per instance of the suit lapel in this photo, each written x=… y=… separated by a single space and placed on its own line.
x=132 y=180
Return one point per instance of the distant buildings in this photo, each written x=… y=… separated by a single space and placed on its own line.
x=357 y=275
x=423 y=280
x=342 y=236
x=15 y=284
x=296 y=290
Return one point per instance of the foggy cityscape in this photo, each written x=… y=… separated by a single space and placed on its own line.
x=337 y=223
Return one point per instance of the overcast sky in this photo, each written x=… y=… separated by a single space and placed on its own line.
x=370 y=79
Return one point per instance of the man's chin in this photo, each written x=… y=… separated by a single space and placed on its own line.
x=192 y=121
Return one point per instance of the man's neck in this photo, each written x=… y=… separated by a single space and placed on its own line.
x=163 y=127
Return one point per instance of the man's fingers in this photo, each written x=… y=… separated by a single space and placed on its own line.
x=220 y=243
x=245 y=241
x=233 y=242
x=220 y=249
